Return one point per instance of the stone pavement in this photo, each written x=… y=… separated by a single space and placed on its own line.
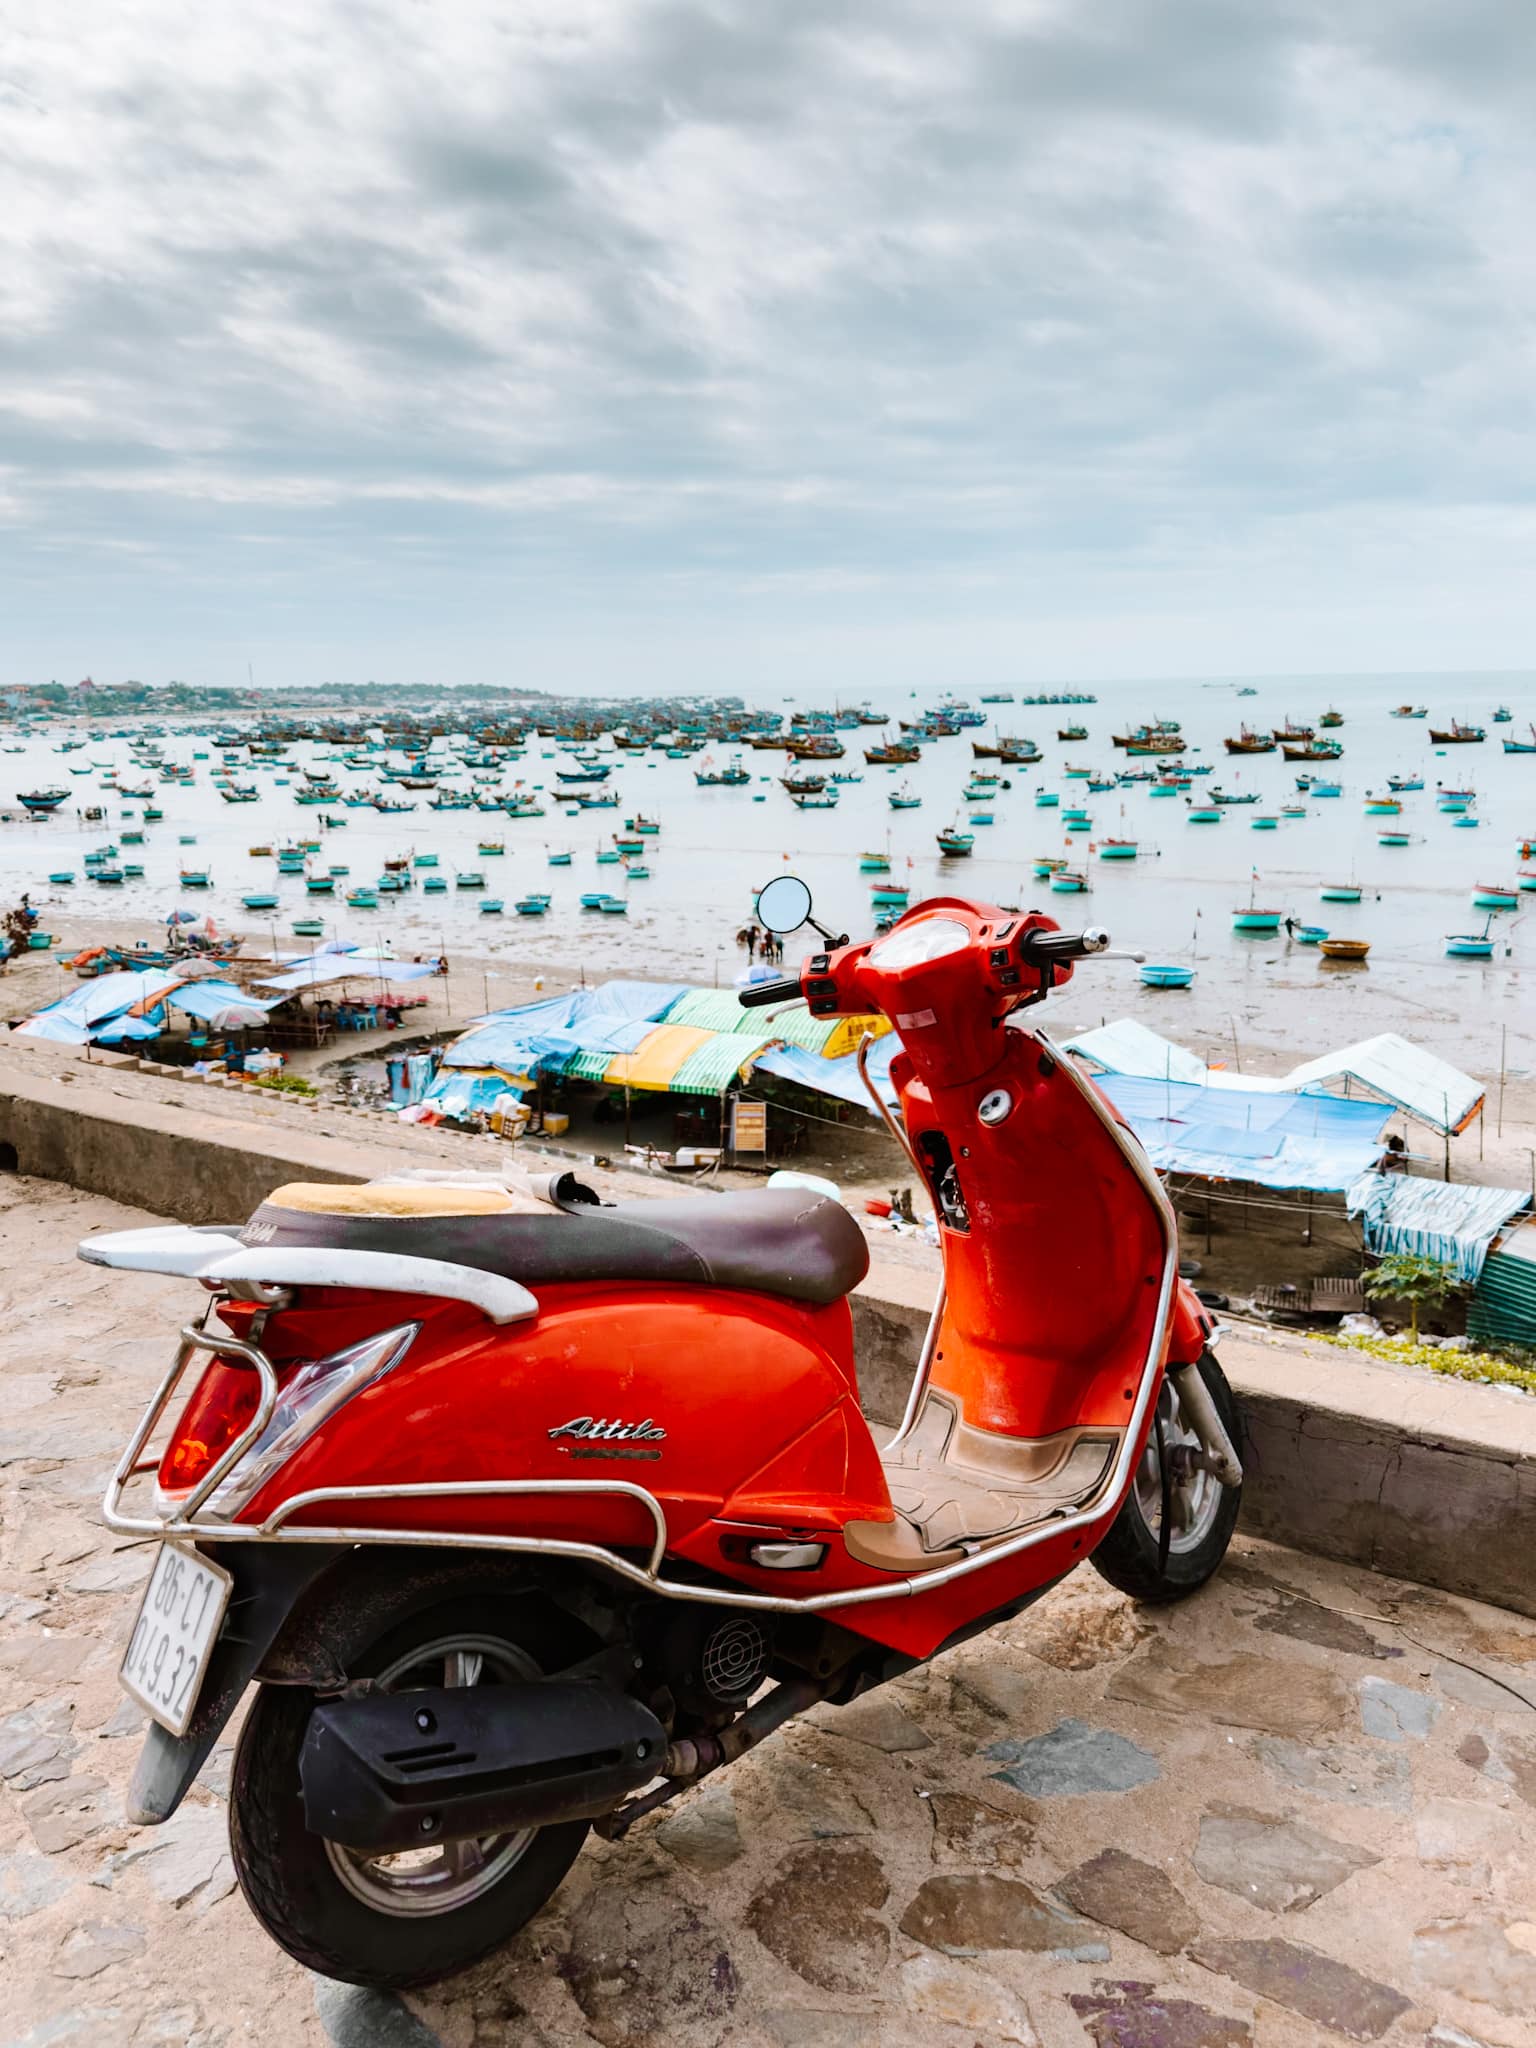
x=1299 y=1809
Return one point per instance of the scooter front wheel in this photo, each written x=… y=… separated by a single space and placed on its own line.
x=1201 y=1513
x=401 y=1919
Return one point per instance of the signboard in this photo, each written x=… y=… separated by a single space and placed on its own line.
x=749 y=1126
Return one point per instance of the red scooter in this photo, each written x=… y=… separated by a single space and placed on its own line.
x=524 y=1517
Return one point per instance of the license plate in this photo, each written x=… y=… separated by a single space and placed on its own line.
x=174 y=1635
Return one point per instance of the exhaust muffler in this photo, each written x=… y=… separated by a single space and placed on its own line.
x=393 y=1771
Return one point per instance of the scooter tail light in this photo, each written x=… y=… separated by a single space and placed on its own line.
x=220 y=1407
x=309 y=1397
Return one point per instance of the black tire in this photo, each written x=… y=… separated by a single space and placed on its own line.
x=290 y=1877
x=1128 y=1555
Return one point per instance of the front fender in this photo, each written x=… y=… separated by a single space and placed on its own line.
x=270 y=1580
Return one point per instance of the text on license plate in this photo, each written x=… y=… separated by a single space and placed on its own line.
x=173 y=1637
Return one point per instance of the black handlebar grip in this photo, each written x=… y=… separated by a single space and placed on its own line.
x=1064 y=945
x=767 y=992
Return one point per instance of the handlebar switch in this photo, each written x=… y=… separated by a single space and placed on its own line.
x=998 y=956
x=820 y=962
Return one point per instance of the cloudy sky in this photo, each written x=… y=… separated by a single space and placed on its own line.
x=575 y=341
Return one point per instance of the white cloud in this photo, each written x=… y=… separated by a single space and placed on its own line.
x=1133 y=337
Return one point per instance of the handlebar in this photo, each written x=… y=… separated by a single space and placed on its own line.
x=1040 y=947
x=766 y=992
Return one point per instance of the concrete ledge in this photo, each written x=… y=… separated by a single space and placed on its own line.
x=1379 y=1465
x=188 y=1163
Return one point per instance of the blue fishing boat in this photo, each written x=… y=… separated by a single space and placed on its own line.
x=559 y=860
x=1340 y=892
x=531 y=906
x=261 y=900
x=1309 y=934
x=1158 y=975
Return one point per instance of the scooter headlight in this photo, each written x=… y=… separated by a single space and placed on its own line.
x=310 y=1398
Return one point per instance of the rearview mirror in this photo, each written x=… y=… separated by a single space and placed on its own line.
x=784 y=905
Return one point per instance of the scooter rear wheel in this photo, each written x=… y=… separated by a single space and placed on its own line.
x=394 y=1920
x=1132 y=1556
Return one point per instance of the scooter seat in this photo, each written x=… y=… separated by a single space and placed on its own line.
x=780 y=1241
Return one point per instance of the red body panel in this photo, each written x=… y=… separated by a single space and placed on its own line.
x=1053 y=1273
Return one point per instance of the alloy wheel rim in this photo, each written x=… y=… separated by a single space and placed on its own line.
x=414 y=1883
x=1196 y=1503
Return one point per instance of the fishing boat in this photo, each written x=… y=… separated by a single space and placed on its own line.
x=903 y=800
x=1340 y=892
x=471 y=878
x=1220 y=796
x=642 y=824
x=1265 y=822
x=1293 y=810
x=260 y=900
x=888 y=895
x=1382 y=807
x=1457 y=735
x=320 y=885
x=1072 y=732
x=435 y=885
x=1204 y=814
x=531 y=906
x=63 y=879
x=608 y=856
x=1118 y=849
x=559 y=860
x=1311 y=750
x=896 y=754
x=1403 y=785
x=1069 y=882
x=955 y=845
x=424 y=860
x=1331 y=718
x=1344 y=949
x=1168 y=788
x=490 y=906
x=1250 y=742
x=1046 y=800
x=1308 y=934
x=41 y=802
x=308 y=928
x=1411 y=711
x=194 y=878
x=733 y=776
x=874 y=863
x=1165 y=975
x=1503 y=715
x=1494 y=896
x=1251 y=918
x=1327 y=789
x=1526 y=878
x=1471 y=945
x=112 y=878
x=1522 y=746
x=363 y=899
x=1393 y=838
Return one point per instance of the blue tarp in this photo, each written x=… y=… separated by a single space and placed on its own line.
x=211 y=999
x=546 y=1034
x=69 y=1020
x=1276 y=1141
x=838 y=1077
x=1450 y=1220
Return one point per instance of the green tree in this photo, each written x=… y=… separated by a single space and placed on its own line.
x=1418 y=1279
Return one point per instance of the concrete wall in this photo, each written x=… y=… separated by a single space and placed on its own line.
x=183 y=1162
x=1380 y=1465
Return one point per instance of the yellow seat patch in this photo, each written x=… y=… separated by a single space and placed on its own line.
x=392 y=1198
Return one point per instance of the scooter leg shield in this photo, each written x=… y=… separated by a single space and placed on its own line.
x=270 y=1580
